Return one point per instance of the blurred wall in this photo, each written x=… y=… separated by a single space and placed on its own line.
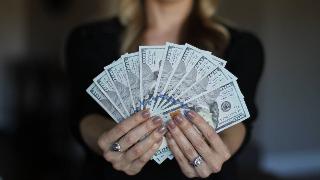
x=35 y=30
x=286 y=131
x=12 y=41
x=33 y=96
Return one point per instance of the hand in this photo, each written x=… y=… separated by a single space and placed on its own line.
x=187 y=143
x=134 y=152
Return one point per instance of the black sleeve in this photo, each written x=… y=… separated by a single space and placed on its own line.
x=245 y=58
x=83 y=63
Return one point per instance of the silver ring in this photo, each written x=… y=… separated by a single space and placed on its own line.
x=116 y=147
x=197 y=161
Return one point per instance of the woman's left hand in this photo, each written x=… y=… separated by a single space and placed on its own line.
x=205 y=150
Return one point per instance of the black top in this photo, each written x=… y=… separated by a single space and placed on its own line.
x=92 y=46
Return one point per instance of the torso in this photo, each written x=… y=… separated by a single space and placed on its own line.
x=95 y=45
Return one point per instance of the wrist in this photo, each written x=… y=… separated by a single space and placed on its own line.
x=233 y=137
x=92 y=127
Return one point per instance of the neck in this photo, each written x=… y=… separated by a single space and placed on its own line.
x=164 y=15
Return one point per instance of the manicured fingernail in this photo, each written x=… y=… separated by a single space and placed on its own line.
x=162 y=130
x=191 y=115
x=146 y=113
x=171 y=125
x=178 y=119
x=157 y=120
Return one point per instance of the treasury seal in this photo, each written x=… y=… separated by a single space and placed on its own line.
x=225 y=106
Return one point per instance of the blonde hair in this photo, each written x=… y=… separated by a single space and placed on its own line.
x=131 y=15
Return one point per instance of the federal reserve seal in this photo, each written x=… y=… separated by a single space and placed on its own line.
x=225 y=106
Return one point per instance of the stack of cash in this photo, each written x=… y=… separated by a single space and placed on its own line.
x=169 y=79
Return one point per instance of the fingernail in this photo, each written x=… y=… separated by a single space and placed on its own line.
x=146 y=113
x=171 y=125
x=178 y=119
x=157 y=120
x=191 y=115
x=162 y=130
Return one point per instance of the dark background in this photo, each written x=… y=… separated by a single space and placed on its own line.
x=35 y=142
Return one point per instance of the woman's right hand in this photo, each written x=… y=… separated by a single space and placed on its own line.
x=134 y=152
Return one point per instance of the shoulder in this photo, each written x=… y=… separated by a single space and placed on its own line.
x=92 y=45
x=244 y=48
x=242 y=41
x=95 y=39
x=94 y=35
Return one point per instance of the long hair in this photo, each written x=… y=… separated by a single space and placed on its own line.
x=202 y=28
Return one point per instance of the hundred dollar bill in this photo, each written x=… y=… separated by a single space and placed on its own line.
x=118 y=75
x=104 y=102
x=175 y=77
x=214 y=58
x=150 y=61
x=132 y=65
x=221 y=108
x=188 y=59
x=218 y=60
x=201 y=69
x=212 y=81
x=171 y=57
x=162 y=153
x=105 y=84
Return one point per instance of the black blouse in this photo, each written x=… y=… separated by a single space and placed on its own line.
x=92 y=46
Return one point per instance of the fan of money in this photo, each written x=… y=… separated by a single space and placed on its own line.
x=166 y=79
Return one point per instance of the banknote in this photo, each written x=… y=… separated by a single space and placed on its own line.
x=176 y=90
x=214 y=58
x=188 y=59
x=104 y=102
x=218 y=60
x=119 y=78
x=221 y=108
x=171 y=58
x=162 y=153
x=150 y=61
x=132 y=65
x=104 y=82
x=200 y=70
x=212 y=81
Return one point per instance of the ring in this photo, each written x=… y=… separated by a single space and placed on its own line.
x=116 y=147
x=197 y=161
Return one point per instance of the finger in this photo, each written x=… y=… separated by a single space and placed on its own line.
x=123 y=161
x=140 y=131
x=187 y=170
x=141 y=147
x=210 y=134
x=213 y=159
x=139 y=163
x=187 y=149
x=112 y=157
x=109 y=137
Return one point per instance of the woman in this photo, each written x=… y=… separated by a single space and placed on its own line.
x=154 y=22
